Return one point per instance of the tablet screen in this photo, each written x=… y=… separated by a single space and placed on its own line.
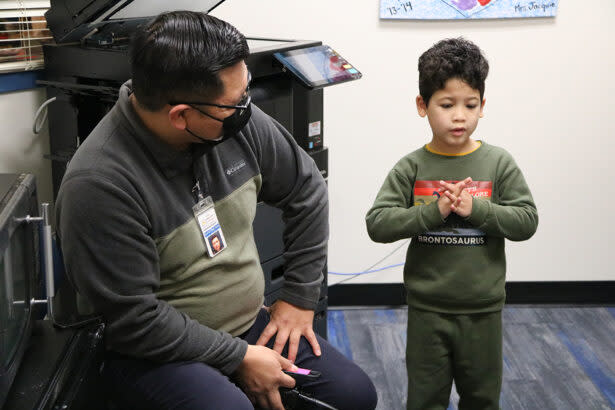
x=318 y=66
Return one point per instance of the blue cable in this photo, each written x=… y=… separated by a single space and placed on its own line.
x=365 y=272
x=370 y=270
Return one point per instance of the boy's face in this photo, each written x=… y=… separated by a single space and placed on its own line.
x=453 y=114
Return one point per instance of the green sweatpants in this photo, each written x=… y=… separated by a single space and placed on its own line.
x=442 y=347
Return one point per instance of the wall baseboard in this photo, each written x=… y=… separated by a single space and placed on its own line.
x=394 y=294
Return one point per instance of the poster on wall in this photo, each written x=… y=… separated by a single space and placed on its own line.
x=466 y=9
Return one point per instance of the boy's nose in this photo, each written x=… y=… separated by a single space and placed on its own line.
x=458 y=115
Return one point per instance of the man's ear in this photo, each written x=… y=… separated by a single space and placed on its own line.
x=177 y=116
x=482 y=105
x=421 y=107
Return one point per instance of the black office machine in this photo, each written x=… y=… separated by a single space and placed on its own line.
x=89 y=62
x=20 y=278
x=41 y=366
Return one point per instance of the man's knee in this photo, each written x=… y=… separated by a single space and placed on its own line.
x=138 y=384
x=354 y=391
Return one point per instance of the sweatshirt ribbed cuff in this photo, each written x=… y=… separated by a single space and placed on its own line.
x=480 y=210
x=239 y=352
x=432 y=217
x=305 y=297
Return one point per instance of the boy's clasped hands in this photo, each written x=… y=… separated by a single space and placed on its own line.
x=455 y=198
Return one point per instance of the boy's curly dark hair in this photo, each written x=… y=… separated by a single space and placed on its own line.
x=452 y=58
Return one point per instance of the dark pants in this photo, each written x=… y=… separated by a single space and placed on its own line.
x=445 y=347
x=140 y=384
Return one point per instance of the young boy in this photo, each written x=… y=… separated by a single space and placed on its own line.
x=458 y=199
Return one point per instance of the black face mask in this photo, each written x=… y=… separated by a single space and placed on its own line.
x=232 y=124
x=236 y=122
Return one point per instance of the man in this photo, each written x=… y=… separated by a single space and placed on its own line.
x=182 y=154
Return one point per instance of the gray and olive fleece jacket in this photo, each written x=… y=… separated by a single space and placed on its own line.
x=134 y=251
x=455 y=265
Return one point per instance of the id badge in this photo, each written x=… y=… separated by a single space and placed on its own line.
x=205 y=215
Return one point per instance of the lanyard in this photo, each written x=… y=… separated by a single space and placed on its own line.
x=201 y=187
x=204 y=209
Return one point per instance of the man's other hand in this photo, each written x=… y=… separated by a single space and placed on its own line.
x=289 y=323
x=260 y=376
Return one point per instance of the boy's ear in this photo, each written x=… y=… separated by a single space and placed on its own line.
x=421 y=107
x=482 y=105
x=176 y=116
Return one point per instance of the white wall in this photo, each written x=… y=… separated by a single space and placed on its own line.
x=20 y=149
x=550 y=102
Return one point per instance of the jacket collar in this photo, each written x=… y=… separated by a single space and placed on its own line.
x=171 y=161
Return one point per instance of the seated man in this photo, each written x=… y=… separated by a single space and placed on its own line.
x=181 y=155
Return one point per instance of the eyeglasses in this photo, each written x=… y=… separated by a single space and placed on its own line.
x=242 y=105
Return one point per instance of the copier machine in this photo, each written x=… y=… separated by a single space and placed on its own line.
x=89 y=61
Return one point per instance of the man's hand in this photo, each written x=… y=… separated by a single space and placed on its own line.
x=290 y=323
x=450 y=198
x=260 y=376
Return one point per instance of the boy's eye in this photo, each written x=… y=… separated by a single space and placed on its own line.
x=471 y=106
x=446 y=105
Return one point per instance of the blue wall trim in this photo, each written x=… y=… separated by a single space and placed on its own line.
x=23 y=80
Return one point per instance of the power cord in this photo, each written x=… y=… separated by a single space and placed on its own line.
x=370 y=269
x=38 y=122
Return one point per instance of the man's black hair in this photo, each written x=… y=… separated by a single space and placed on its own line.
x=177 y=56
x=452 y=58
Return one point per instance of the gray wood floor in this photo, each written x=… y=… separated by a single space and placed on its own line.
x=555 y=357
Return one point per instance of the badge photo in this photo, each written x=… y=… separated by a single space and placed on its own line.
x=215 y=243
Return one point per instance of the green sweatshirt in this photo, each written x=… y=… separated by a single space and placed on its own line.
x=455 y=265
